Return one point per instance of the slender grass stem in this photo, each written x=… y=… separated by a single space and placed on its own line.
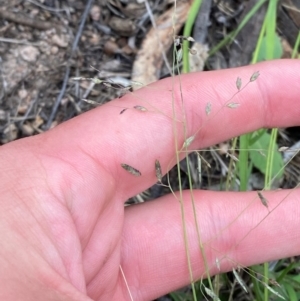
x=297 y=44
x=201 y=247
x=270 y=38
x=243 y=161
x=187 y=32
x=177 y=148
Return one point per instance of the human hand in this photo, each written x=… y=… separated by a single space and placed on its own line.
x=64 y=229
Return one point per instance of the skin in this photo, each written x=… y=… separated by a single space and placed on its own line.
x=63 y=226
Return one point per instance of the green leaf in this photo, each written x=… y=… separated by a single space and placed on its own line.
x=258 y=155
x=178 y=296
x=291 y=292
x=277 y=49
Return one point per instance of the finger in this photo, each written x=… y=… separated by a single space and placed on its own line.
x=235 y=230
x=139 y=138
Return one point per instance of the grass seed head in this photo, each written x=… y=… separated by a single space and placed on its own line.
x=131 y=170
x=123 y=111
x=233 y=105
x=263 y=200
x=188 y=141
x=254 y=76
x=140 y=108
x=158 y=171
x=238 y=83
x=179 y=55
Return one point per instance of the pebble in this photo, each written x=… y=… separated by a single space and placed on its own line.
x=95 y=12
x=60 y=41
x=29 y=53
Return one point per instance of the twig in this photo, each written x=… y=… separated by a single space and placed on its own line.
x=67 y=74
x=55 y=10
x=26 y=116
x=21 y=19
x=15 y=41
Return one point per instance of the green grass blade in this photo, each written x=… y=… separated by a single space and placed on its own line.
x=232 y=35
x=187 y=33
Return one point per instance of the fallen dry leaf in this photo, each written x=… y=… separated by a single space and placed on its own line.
x=149 y=58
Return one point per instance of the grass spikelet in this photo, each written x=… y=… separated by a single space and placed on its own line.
x=158 y=171
x=131 y=170
x=233 y=105
x=140 y=108
x=238 y=83
x=211 y=294
x=188 y=142
x=263 y=200
x=254 y=76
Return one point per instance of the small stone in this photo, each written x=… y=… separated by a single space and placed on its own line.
x=29 y=53
x=54 y=50
x=94 y=39
x=2 y=115
x=95 y=12
x=124 y=27
x=10 y=133
x=110 y=47
x=22 y=93
x=38 y=122
x=44 y=47
x=64 y=101
x=127 y=50
x=27 y=130
x=60 y=41
x=22 y=109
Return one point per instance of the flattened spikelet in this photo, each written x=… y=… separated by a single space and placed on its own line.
x=179 y=55
x=263 y=200
x=238 y=83
x=158 y=171
x=123 y=111
x=140 y=108
x=254 y=76
x=211 y=294
x=188 y=141
x=131 y=170
x=233 y=105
